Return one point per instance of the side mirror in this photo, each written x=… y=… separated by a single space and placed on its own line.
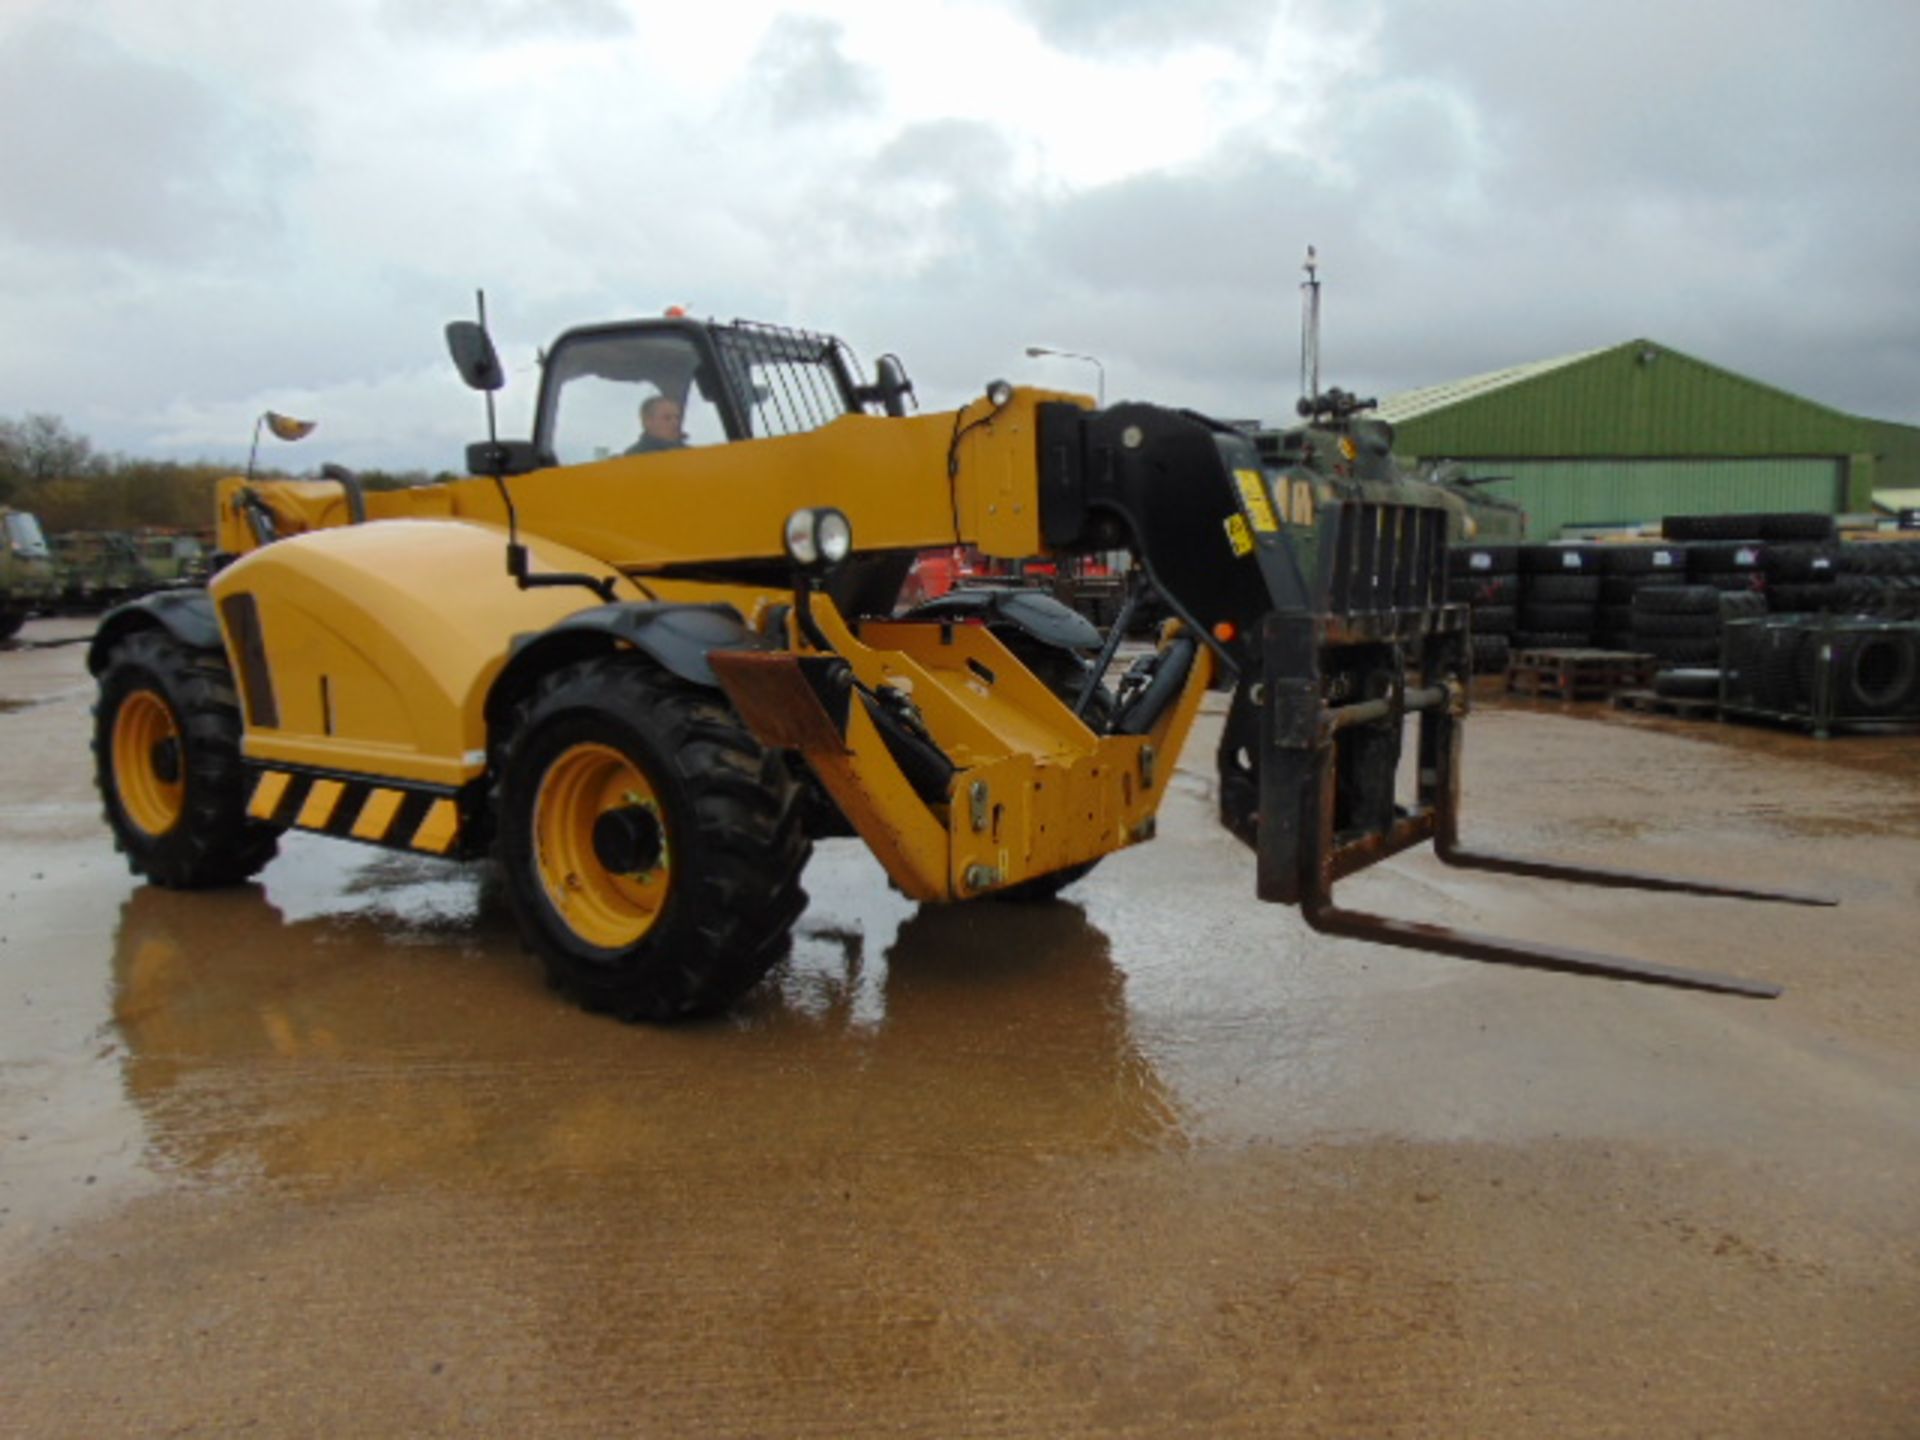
x=891 y=385
x=474 y=356
x=502 y=458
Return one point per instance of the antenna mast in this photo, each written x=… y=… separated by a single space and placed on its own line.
x=1310 y=328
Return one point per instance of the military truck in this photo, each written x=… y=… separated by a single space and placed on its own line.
x=98 y=569
x=1477 y=516
x=28 y=583
x=168 y=557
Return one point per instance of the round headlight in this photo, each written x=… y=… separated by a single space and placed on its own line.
x=1000 y=392
x=802 y=546
x=833 y=536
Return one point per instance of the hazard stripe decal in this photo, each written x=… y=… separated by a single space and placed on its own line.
x=357 y=810
x=266 y=795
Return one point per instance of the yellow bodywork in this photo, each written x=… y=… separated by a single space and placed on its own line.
x=1035 y=789
x=381 y=642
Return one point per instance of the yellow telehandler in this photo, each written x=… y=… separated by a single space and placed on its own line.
x=646 y=656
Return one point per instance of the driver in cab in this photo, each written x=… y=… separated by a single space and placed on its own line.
x=660 y=419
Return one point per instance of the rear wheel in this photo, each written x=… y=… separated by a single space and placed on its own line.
x=166 y=747
x=10 y=622
x=652 y=847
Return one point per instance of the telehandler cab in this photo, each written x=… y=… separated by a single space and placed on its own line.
x=644 y=673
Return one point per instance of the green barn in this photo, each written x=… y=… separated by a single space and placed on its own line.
x=1627 y=434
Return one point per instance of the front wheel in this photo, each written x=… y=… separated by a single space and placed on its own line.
x=652 y=848
x=166 y=747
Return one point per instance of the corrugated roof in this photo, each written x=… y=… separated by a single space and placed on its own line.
x=1411 y=403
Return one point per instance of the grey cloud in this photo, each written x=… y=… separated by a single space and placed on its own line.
x=1113 y=27
x=498 y=22
x=800 y=73
x=107 y=151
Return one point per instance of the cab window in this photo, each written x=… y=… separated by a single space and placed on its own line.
x=23 y=534
x=598 y=385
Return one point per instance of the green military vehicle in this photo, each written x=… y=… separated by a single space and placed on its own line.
x=28 y=582
x=98 y=569
x=168 y=557
x=1477 y=517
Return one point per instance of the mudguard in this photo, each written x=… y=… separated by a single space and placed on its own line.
x=678 y=637
x=186 y=615
x=1041 y=617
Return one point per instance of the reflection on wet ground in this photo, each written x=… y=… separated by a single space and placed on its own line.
x=425 y=1046
x=323 y=1156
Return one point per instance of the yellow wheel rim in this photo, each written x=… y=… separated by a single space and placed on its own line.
x=601 y=846
x=149 y=763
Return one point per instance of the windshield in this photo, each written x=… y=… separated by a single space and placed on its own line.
x=629 y=393
x=634 y=391
x=23 y=534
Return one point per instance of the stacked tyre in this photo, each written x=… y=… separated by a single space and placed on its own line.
x=1559 y=596
x=1486 y=579
x=1626 y=570
x=1678 y=624
x=1872 y=667
x=1880 y=578
x=1732 y=565
x=1774 y=526
x=1802 y=577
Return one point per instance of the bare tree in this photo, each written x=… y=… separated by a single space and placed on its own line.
x=40 y=449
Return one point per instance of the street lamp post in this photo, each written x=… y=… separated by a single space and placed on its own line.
x=1036 y=351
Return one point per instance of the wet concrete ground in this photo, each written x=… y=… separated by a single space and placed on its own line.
x=322 y=1156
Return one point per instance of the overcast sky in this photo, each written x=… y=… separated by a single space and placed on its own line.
x=210 y=207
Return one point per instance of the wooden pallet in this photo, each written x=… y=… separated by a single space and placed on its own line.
x=1577 y=674
x=1681 y=707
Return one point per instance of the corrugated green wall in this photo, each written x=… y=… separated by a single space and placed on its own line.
x=1557 y=493
x=1618 y=403
x=1898 y=449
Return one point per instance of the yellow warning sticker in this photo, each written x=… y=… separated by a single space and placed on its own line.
x=1346 y=447
x=1253 y=494
x=1238 y=536
x=1300 y=502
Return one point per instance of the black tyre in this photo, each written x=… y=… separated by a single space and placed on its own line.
x=1736 y=557
x=1643 y=560
x=10 y=623
x=1798 y=599
x=652 y=847
x=1565 y=618
x=1560 y=559
x=1484 y=589
x=166 y=753
x=1652 y=622
x=1712 y=527
x=1878 y=673
x=1562 y=589
x=1810 y=525
x=1800 y=563
x=1483 y=560
x=1677 y=600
